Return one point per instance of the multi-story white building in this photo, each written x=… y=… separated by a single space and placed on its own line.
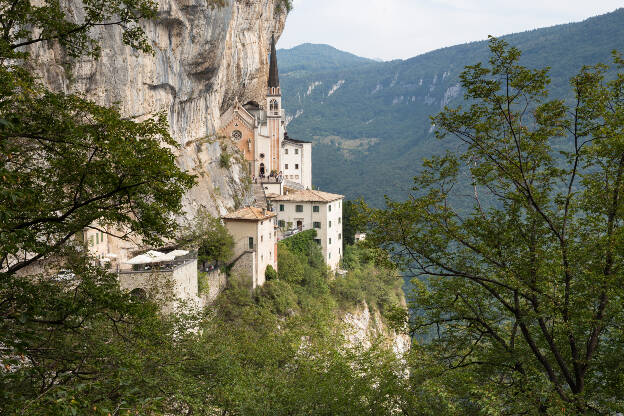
x=317 y=210
x=297 y=161
x=255 y=242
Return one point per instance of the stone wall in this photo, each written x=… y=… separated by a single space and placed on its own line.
x=216 y=281
x=245 y=268
x=171 y=288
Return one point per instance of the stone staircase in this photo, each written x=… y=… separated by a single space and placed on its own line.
x=260 y=200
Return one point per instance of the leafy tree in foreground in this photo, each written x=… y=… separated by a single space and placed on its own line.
x=523 y=295
x=74 y=343
x=210 y=237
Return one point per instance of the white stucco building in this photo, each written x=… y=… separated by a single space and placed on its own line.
x=255 y=242
x=317 y=210
x=297 y=161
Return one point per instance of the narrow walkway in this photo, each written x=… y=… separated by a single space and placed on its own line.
x=260 y=200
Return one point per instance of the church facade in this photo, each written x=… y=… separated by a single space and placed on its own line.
x=260 y=133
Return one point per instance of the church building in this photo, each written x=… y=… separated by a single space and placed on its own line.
x=260 y=133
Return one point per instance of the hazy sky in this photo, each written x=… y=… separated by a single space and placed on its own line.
x=390 y=29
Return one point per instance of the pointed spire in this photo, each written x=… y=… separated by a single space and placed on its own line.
x=273 y=73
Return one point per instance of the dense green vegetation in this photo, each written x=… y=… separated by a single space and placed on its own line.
x=393 y=101
x=525 y=292
x=207 y=234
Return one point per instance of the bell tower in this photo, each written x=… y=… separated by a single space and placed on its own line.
x=274 y=110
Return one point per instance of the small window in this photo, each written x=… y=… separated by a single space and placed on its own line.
x=315 y=208
x=317 y=225
x=340 y=236
x=282 y=207
x=329 y=208
x=285 y=151
x=296 y=151
x=281 y=223
x=330 y=224
x=330 y=241
x=329 y=256
x=261 y=155
x=296 y=166
x=317 y=241
x=261 y=238
x=286 y=166
x=261 y=257
x=251 y=245
x=237 y=135
x=299 y=208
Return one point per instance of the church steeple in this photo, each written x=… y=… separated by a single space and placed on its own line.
x=273 y=72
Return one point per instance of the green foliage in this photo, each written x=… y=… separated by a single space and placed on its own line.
x=209 y=237
x=278 y=296
x=270 y=273
x=300 y=243
x=283 y=6
x=81 y=346
x=25 y=24
x=524 y=292
x=68 y=163
x=225 y=160
x=203 y=285
x=349 y=223
x=72 y=342
x=291 y=268
x=367 y=282
x=392 y=101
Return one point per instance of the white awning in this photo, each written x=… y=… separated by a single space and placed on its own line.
x=178 y=253
x=141 y=259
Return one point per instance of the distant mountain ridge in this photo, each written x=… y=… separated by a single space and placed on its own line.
x=317 y=57
x=369 y=121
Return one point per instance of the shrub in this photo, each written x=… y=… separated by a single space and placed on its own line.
x=291 y=268
x=278 y=297
x=225 y=161
x=270 y=273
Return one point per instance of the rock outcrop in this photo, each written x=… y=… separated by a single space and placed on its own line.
x=365 y=325
x=203 y=59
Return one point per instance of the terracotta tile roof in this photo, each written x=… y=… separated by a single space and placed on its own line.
x=309 y=196
x=249 y=214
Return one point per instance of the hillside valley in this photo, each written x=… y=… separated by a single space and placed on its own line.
x=370 y=122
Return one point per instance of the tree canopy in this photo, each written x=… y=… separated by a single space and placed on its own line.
x=521 y=295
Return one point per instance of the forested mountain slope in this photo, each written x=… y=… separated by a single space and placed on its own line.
x=369 y=121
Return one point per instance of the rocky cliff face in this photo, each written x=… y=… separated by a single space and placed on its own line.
x=365 y=325
x=204 y=58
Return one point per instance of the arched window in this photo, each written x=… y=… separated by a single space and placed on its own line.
x=273 y=106
x=237 y=135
